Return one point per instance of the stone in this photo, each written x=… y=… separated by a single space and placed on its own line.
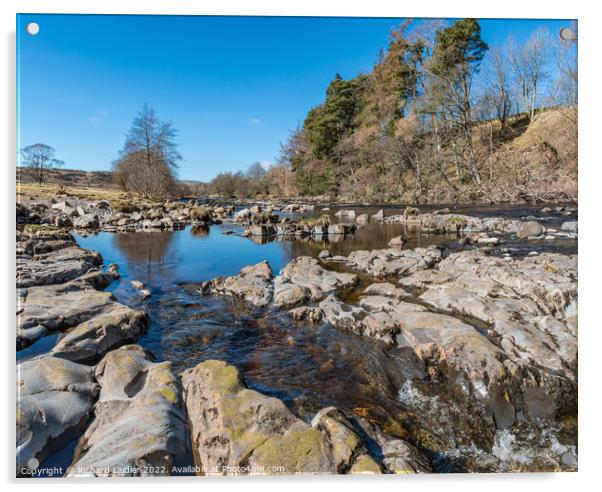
x=305 y=279
x=233 y=426
x=380 y=215
x=488 y=241
x=398 y=241
x=350 y=214
x=384 y=289
x=445 y=223
x=93 y=338
x=65 y=306
x=399 y=457
x=243 y=214
x=262 y=230
x=140 y=427
x=530 y=228
x=54 y=404
x=253 y=284
x=362 y=219
x=56 y=266
x=86 y=221
x=393 y=261
x=334 y=229
x=570 y=226
x=324 y=254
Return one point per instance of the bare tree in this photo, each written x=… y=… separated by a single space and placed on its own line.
x=149 y=158
x=40 y=157
x=564 y=88
x=529 y=67
x=496 y=75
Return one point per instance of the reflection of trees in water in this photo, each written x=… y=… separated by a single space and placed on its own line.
x=374 y=236
x=199 y=230
x=149 y=247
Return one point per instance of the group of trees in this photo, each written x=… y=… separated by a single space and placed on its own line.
x=147 y=163
x=256 y=181
x=431 y=120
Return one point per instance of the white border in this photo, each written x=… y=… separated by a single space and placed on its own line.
x=590 y=182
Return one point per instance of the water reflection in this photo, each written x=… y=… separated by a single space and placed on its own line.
x=144 y=247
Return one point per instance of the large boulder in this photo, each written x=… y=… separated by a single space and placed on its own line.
x=236 y=430
x=393 y=261
x=531 y=228
x=140 y=427
x=262 y=230
x=54 y=404
x=305 y=279
x=570 y=226
x=253 y=284
x=86 y=221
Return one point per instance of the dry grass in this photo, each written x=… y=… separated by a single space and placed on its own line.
x=117 y=198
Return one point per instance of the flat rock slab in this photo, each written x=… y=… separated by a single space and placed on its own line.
x=393 y=261
x=505 y=329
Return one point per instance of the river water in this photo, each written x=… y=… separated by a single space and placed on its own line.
x=307 y=366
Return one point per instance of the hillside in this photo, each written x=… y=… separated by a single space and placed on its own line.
x=68 y=177
x=440 y=119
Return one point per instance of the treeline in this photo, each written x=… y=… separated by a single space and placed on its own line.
x=433 y=119
x=256 y=181
x=441 y=117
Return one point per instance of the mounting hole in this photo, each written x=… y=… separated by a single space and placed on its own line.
x=567 y=34
x=32 y=28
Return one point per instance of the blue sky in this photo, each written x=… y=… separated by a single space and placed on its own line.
x=233 y=86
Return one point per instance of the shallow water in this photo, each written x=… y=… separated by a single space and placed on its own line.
x=307 y=366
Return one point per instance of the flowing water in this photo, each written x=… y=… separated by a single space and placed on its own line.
x=307 y=366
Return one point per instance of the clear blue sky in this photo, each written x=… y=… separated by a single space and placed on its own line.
x=232 y=86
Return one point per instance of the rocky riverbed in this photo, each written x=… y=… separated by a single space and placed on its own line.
x=459 y=356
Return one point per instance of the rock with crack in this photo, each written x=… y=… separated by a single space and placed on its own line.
x=530 y=306
x=304 y=279
x=95 y=322
x=394 y=261
x=54 y=308
x=253 y=284
x=54 y=403
x=233 y=427
x=140 y=426
x=96 y=336
x=57 y=266
x=441 y=223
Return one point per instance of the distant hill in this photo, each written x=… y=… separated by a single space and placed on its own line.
x=68 y=177
x=90 y=179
